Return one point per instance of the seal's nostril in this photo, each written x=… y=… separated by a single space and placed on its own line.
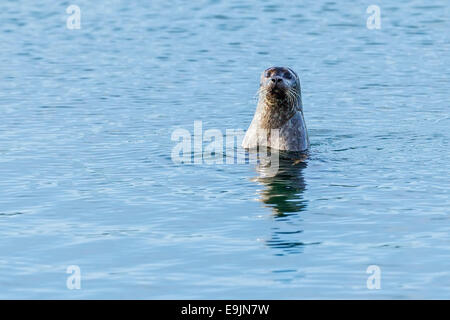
x=276 y=79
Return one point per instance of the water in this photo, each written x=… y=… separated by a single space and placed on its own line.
x=87 y=179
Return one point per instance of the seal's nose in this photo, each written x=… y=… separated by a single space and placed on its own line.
x=276 y=80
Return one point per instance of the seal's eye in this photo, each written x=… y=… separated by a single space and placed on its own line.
x=287 y=75
x=267 y=74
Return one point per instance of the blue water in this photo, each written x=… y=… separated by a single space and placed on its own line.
x=87 y=178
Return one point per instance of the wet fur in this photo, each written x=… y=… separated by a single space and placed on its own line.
x=278 y=108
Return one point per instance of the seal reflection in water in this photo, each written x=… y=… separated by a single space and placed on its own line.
x=283 y=194
x=283 y=191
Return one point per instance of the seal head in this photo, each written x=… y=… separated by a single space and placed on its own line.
x=280 y=95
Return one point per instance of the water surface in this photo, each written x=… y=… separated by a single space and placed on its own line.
x=87 y=178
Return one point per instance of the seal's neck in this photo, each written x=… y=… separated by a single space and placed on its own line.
x=275 y=111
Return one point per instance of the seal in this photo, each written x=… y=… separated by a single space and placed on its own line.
x=278 y=122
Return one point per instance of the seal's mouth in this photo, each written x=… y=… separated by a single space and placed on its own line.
x=277 y=90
